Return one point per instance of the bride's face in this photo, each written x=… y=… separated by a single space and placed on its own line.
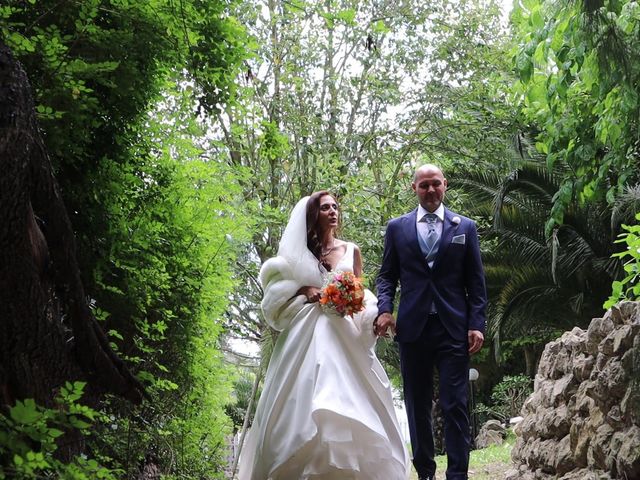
x=328 y=215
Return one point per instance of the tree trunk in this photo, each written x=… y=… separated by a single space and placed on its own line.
x=48 y=333
x=150 y=469
x=530 y=360
x=247 y=416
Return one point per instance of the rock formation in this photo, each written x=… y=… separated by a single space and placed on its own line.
x=583 y=419
x=493 y=432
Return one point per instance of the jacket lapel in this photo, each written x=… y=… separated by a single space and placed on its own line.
x=448 y=230
x=411 y=234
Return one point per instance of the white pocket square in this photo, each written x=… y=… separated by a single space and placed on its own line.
x=461 y=239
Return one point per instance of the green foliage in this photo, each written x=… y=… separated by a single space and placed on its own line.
x=30 y=432
x=537 y=284
x=175 y=224
x=350 y=96
x=511 y=349
x=628 y=288
x=578 y=74
x=123 y=90
x=242 y=389
x=507 y=398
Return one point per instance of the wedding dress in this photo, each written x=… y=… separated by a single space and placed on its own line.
x=326 y=410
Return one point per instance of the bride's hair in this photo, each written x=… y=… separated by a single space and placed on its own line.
x=314 y=239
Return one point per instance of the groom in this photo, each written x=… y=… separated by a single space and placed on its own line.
x=435 y=256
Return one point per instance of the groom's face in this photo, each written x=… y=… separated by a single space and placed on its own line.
x=430 y=186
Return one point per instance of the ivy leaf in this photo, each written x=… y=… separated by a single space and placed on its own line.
x=26 y=412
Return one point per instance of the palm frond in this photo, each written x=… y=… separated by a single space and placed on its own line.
x=534 y=281
x=524 y=247
x=625 y=208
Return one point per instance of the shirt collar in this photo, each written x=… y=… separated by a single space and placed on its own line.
x=439 y=212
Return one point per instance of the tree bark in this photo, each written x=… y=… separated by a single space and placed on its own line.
x=247 y=416
x=530 y=360
x=48 y=334
x=150 y=470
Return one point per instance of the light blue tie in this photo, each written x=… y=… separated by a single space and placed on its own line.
x=431 y=241
x=432 y=238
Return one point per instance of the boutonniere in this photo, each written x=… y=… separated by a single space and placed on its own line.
x=456 y=220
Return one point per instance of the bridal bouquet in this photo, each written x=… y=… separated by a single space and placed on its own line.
x=343 y=293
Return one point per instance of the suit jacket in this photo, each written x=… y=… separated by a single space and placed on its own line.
x=455 y=283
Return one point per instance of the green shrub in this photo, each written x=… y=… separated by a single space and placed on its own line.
x=629 y=287
x=507 y=398
x=29 y=435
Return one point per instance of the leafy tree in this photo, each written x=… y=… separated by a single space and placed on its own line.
x=350 y=96
x=578 y=69
x=176 y=256
x=50 y=332
x=121 y=90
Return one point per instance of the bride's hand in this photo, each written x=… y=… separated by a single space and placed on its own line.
x=383 y=323
x=312 y=293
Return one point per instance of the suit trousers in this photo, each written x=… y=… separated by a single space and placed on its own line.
x=435 y=348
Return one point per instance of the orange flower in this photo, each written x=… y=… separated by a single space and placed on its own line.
x=343 y=293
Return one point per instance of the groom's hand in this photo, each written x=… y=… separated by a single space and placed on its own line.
x=476 y=339
x=384 y=322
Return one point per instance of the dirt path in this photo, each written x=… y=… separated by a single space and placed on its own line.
x=490 y=471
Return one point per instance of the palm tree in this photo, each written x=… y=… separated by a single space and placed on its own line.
x=539 y=282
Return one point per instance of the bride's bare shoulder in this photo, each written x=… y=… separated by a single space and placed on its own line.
x=342 y=243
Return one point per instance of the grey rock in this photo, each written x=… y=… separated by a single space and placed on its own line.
x=628 y=457
x=582 y=421
x=582 y=366
x=491 y=433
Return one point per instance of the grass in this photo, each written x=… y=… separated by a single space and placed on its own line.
x=486 y=464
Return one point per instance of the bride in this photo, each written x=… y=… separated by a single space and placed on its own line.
x=326 y=410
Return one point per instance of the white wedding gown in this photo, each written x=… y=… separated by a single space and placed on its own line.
x=326 y=410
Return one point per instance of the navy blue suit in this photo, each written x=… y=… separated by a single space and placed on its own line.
x=455 y=285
